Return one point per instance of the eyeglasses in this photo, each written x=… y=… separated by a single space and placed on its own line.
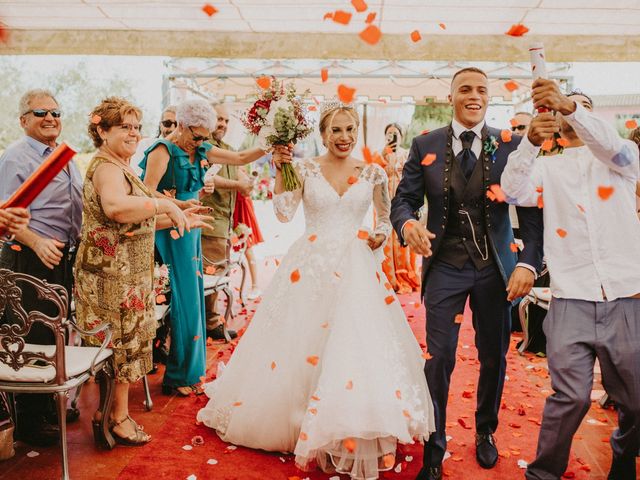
x=197 y=138
x=169 y=123
x=41 y=112
x=519 y=128
x=128 y=127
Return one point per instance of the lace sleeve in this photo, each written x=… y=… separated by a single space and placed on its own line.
x=285 y=204
x=381 y=202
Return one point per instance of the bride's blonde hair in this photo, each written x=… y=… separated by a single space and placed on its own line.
x=329 y=111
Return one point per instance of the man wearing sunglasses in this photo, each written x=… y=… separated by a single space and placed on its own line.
x=168 y=122
x=46 y=248
x=522 y=121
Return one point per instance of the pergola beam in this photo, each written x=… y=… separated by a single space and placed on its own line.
x=208 y=44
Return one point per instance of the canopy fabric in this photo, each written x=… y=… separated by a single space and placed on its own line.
x=572 y=30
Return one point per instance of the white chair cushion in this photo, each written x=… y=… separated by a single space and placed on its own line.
x=542 y=293
x=77 y=360
x=210 y=281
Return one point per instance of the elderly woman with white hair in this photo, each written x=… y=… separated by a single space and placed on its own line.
x=176 y=166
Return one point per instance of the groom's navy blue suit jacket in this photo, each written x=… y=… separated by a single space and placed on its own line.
x=434 y=181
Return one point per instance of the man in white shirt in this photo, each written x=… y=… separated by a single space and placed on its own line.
x=592 y=247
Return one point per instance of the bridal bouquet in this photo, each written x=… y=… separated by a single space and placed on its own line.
x=278 y=117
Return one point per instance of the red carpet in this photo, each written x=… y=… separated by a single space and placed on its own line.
x=524 y=394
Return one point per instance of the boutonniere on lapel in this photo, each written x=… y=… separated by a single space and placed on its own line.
x=490 y=146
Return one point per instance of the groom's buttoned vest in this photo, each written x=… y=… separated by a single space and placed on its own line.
x=465 y=235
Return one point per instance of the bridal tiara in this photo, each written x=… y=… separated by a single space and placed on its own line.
x=334 y=104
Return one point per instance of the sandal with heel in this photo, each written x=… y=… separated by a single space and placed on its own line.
x=137 y=440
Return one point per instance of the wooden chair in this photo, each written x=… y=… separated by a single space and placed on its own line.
x=46 y=369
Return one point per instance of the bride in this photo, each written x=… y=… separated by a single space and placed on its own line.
x=328 y=368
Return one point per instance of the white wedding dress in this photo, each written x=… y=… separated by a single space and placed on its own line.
x=328 y=368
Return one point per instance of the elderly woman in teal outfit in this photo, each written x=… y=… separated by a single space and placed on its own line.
x=176 y=166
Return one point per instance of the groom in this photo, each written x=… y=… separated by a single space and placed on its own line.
x=467 y=252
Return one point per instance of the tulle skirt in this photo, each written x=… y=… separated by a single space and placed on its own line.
x=328 y=368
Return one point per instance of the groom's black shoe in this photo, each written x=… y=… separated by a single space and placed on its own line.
x=486 y=451
x=430 y=473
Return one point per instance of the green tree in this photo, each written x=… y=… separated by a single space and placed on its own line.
x=429 y=116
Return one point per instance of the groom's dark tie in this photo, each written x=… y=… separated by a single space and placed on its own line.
x=466 y=157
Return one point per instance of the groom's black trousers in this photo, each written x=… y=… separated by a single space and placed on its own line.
x=446 y=292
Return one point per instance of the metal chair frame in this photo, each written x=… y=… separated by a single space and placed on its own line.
x=13 y=354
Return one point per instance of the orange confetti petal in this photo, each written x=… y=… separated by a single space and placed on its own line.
x=273 y=365
x=442 y=26
x=561 y=233
x=605 y=192
x=514 y=247
x=547 y=145
x=631 y=124
x=540 y=201
x=427 y=356
x=349 y=385
x=349 y=444
x=161 y=299
x=351 y=180
x=345 y=93
x=398 y=394
x=16 y=247
x=497 y=191
x=312 y=108
x=295 y=276
x=511 y=86
x=210 y=270
x=389 y=460
x=328 y=16
x=514 y=122
x=463 y=424
x=406 y=413
x=342 y=17
x=264 y=82
x=324 y=325
x=174 y=234
x=237 y=404
x=313 y=360
x=96 y=119
x=539 y=189
x=209 y=9
x=315 y=398
x=313 y=411
x=129 y=234
x=387 y=285
x=359 y=5
x=415 y=36
x=428 y=159
x=389 y=300
x=563 y=142
x=371 y=34
x=324 y=75
x=196 y=338
x=506 y=135
x=371 y=17
x=312 y=238
x=366 y=154
x=363 y=235
x=517 y=30
x=303 y=436
x=459 y=318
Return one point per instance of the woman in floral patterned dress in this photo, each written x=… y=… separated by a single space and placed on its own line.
x=114 y=266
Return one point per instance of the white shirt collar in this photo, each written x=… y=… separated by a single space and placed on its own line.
x=458 y=128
